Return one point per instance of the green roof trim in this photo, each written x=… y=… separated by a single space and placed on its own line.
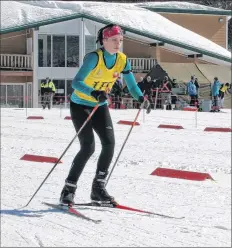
x=190 y=11
x=93 y=18
x=40 y=23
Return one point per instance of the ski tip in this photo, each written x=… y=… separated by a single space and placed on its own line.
x=97 y=221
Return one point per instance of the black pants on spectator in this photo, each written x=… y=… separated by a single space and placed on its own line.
x=117 y=102
x=221 y=94
x=215 y=101
x=150 y=99
x=193 y=100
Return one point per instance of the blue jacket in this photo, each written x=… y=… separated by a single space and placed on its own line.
x=216 y=88
x=191 y=89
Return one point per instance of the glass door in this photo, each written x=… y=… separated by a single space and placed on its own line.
x=59 y=98
x=15 y=96
x=3 y=95
x=12 y=95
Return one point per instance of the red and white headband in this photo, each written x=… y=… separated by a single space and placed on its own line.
x=111 y=31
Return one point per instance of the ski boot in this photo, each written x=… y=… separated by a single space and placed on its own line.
x=68 y=193
x=99 y=193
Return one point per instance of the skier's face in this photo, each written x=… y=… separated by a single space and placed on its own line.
x=113 y=43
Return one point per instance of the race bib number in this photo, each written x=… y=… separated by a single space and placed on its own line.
x=105 y=86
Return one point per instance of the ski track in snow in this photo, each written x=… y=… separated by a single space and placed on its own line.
x=206 y=205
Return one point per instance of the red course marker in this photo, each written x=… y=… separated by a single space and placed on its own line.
x=128 y=123
x=188 y=175
x=41 y=159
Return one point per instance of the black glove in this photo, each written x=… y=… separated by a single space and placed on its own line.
x=99 y=95
x=141 y=99
x=146 y=104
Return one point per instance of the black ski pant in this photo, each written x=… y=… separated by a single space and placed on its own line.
x=101 y=123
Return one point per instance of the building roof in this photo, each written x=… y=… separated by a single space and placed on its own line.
x=21 y=15
x=183 y=7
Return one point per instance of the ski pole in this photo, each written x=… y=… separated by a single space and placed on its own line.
x=83 y=125
x=124 y=143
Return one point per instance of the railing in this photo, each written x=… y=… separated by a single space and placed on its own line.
x=16 y=61
x=20 y=61
x=142 y=64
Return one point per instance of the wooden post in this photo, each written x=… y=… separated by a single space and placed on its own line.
x=195 y=59
x=155 y=53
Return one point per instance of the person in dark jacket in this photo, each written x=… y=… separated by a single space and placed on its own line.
x=147 y=86
x=117 y=93
x=197 y=87
x=197 y=91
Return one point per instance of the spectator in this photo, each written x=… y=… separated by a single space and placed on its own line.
x=141 y=80
x=192 y=91
x=197 y=87
x=146 y=86
x=117 y=93
x=166 y=92
x=223 y=90
x=215 y=92
x=48 y=89
x=174 y=83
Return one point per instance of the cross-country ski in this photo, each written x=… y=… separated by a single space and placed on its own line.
x=123 y=207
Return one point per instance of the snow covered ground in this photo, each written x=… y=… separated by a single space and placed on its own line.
x=206 y=205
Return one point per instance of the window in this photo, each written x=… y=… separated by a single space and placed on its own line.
x=58 y=51
x=60 y=91
x=12 y=95
x=44 y=49
x=91 y=31
x=39 y=90
x=90 y=43
x=72 y=51
x=15 y=95
x=49 y=51
x=98 y=45
x=3 y=94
